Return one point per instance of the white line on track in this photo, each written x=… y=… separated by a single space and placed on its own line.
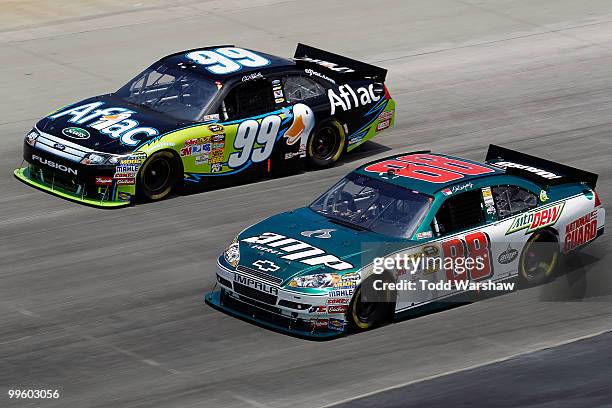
x=100 y=342
x=472 y=367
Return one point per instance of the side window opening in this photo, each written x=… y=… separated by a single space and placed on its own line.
x=299 y=88
x=511 y=200
x=459 y=212
x=250 y=98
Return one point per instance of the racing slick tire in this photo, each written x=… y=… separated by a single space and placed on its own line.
x=158 y=176
x=369 y=307
x=326 y=144
x=539 y=258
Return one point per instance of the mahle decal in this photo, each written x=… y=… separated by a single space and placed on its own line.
x=76 y=133
x=536 y=219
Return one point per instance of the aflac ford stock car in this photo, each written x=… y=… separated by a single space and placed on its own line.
x=311 y=271
x=206 y=117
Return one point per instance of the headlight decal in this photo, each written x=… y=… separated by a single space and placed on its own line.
x=319 y=280
x=31 y=137
x=232 y=253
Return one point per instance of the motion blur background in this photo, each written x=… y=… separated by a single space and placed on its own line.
x=106 y=305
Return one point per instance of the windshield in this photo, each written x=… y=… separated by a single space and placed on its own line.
x=364 y=203
x=181 y=94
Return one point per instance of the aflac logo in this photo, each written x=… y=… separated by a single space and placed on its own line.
x=114 y=122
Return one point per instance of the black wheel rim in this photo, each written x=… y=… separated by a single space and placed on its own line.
x=325 y=143
x=365 y=311
x=157 y=175
x=538 y=262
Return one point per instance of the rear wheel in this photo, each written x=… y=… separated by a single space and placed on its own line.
x=326 y=144
x=157 y=176
x=539 y=258
x=369 y=308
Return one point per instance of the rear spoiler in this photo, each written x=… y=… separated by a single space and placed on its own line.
x=540 y=171
x=335 y=65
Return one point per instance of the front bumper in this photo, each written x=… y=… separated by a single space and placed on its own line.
x=73 y=181
x=286 y=311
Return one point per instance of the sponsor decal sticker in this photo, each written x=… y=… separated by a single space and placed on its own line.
x=329 y=65
x=348 y=98
x=336 y=324
x=340 y=293
x=384 y=120
x=508 y=256
x=539 y=172
x=210 y=118
x=311 y=72
x=76 y=133
x=536 y=219
x=294 y=250
x=126 y=181
x=123 y=196
x=424 y=235
x=200 y=160
x=104 y=181
x=114 y=122
x=581 y=231
x=337 y=309
x=338 y=301
x=214 y=128
x=321 y=323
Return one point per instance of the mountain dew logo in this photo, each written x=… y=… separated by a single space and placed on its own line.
x=537 y=219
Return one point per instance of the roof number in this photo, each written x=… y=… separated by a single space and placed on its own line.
x=429 y=168
x=226 y=60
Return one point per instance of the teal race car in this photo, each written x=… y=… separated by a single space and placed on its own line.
x=335 y=265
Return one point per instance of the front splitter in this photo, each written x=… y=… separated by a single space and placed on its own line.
x=213 y=299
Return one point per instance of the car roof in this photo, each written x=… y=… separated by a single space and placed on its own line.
x=373 y=169
x=180 y=59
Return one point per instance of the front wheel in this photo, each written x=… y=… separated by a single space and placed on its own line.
x=157 y=176
x=370 y=307
x=326 y=144
x=539 y=258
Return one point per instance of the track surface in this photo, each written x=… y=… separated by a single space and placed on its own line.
x=105 y=305
x=582 y=373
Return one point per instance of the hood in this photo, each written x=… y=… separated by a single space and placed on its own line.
x=302 y=242
x=107 y=124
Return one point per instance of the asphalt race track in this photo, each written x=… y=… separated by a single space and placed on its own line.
x=106 y=305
